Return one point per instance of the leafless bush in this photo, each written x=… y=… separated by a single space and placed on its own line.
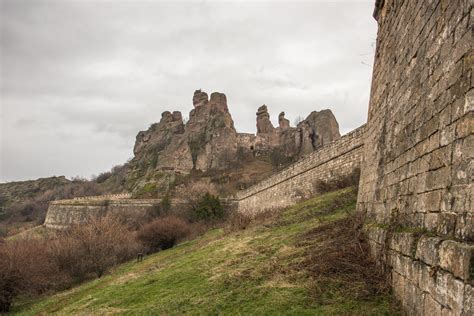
x=163 y=233
x=30 y=267
x=338 y=183
x=240 y=221
x=26 y=269
x=94 y=247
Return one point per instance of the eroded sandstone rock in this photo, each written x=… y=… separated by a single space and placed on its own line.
x=209 y=141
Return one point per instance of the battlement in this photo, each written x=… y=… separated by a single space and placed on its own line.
x=118 y=196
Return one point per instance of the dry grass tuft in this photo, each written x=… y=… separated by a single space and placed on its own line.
x=340 y=264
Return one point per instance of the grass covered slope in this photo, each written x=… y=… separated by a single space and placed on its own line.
x=259 y=270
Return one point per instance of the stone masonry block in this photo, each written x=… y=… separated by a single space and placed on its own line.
x=403 y=243
x=468 y=300
x=427 y=278
x=427 y=250
x=441 y=289
x=456 y=258
x=465 y=126
x=430 y=306
x=455 y=294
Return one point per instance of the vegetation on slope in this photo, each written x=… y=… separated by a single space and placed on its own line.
x=23 y=204
x=260 y=270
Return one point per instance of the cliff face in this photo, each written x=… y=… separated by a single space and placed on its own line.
x=209 y=141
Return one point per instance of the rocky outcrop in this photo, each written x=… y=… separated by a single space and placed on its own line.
x=264 y=125
x=317 y=129
x=209 y=141
x=200 y=98
x=282 y=121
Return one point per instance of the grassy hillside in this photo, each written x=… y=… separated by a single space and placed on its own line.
x=259 y=270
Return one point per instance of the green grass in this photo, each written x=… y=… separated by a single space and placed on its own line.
x=254 y=271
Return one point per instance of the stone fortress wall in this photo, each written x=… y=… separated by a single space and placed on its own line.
x=288 y=186
x=338 y=158
x=416 y=184
x=105 y=197
x=63 y=213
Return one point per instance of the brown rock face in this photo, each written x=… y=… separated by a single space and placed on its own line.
x=318 y=129
x=209 y=140
x=199 y=98
x=264 y=125
x=282 y=121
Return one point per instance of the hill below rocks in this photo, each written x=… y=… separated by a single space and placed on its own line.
x=281 y=264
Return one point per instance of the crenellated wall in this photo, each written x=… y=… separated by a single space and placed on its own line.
x=416 y=184
x=63 y=213
x=336 y=159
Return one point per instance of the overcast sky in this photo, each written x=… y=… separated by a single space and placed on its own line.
x=79 y=79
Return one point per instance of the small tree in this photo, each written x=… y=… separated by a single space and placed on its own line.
x=194 y=192
x=209 y=208
x=160 y=209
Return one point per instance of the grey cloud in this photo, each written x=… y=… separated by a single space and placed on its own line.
x=79 y=79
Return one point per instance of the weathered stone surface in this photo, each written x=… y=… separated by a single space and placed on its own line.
x=317 y=129
x=200 y=98
x=427 y=250
x=468 y=300
x=403 y=243
x=430 y=306
x=62 y=214
x=209 y=141
x=456 y=258
x=264 y=125
x=282 y=121
x=417 y=169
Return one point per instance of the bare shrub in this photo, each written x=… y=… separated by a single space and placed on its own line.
x=163 y=233
x=30 y=267
x=11 y=281
x=338 y=183
x=238 y=221
x=26 y=269
x=94 y=247
x=340 y=260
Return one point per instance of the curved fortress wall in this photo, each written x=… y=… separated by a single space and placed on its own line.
x=416 y=183
x=62 y=214
x=336 y=159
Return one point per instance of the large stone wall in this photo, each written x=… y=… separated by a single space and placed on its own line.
x=336 y=159
x=416 y=183
x=61 y=214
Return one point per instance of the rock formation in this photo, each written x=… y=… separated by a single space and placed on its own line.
x=282 y=121
x=264 y=125
x=209 y=141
